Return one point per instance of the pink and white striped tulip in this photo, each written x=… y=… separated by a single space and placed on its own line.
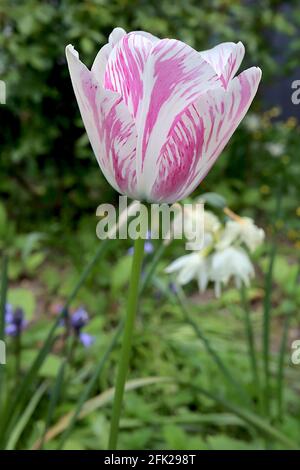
x=158 y=113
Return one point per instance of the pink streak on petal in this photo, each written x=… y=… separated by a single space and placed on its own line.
x=125 y=68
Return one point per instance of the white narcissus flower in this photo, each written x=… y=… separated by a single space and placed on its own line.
x=241 y=231
x=231 y=262
x=158 y=113
x=189 y=267
x=211 y=222
x=192 y=219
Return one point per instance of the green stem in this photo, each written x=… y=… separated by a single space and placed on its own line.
x=18 y=348
x=251 y=345
x=268 y=306
x=127 y=341
x=2 y=325
x=282 y=352
x=266 y=327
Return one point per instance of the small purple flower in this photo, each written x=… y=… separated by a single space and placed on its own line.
x=15 y=321
x=79 y=319
x=11 y=330
x=9 y=311
x=148 y=247
x=86 y=339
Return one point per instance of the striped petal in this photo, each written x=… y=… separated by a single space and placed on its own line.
x=200 y=134
x=225 y=59
x=109 y=125
x=147 y=35
x=174 y=76
x=116 y=35
x=101 y=59
x=125 y=68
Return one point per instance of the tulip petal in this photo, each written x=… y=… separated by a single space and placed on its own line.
x=200 y=134
x=116 y=36
x=225 y=59
x=147 y=35
x=125 y=68
x=174 y=76
x=99 y=65
x=109 y=125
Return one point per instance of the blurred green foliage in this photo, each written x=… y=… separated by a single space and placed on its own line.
x=46 y=164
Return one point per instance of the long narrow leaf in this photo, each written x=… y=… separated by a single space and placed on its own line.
x=54 y=398
x=2 y=325
x=282 y=351
x=251 y=345
x=25 y=417
x=267 y=308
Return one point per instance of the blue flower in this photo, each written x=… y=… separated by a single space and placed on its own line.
x=15 y=321
x=86 y=339
x=9 y=311
x=79 y=319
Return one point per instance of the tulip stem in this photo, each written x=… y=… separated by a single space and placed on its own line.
x=127 y=340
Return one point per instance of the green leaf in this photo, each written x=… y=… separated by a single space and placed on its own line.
x=25 y=417
x=23 y=298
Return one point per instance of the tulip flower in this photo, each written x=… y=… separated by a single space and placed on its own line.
x=158 y=113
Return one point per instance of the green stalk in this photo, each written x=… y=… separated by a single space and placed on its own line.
x=282 y=351
x=251 y=344
x=127 y=341
x=54 y=399
x=266 y=326
x=3 y=295
x=2 y=324
x=18 y=349
x=268 y=307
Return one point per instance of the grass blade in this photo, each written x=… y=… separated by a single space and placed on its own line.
x=251 y=344
x=268 y=306
x=2 y=327
x=25 y=417
x=54 y=398
x=282 y=351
